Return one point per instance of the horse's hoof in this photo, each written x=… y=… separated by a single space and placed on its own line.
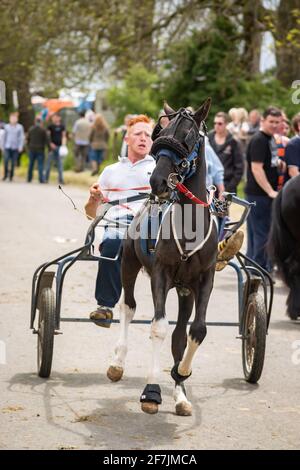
x=149 y=407
x=115 y=373
x=184 y=408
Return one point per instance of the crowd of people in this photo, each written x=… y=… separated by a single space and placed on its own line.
x=260 y=144
x=46 y=144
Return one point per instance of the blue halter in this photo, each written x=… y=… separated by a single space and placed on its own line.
x=185 y=167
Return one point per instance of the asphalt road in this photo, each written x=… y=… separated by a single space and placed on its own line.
x=78 y=408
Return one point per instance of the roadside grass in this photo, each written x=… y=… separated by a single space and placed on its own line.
x=83 y=179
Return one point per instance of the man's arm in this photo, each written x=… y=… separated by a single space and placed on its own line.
x=21 y=138
x=64 y=138
x=261 y=179
x=292 y=158
x=96 y=199
x=238 y=164
x=293 y=171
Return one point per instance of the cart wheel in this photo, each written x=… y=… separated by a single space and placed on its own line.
x=46 y=332
x=254 y=338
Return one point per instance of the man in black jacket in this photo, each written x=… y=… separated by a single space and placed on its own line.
x=228 y=151
x=37 y=141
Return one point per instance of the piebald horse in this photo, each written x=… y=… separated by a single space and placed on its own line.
x=178 y=262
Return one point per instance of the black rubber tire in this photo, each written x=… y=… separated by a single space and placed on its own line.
x=254 y=338
x=46 y=331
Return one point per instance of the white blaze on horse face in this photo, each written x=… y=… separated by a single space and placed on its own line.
x=185 y=366
x=126 y=315
x=159 y=331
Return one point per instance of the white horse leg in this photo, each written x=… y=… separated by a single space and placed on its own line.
x=159 y=331
x=185 y=365
x=182 y=406
x=116 y=369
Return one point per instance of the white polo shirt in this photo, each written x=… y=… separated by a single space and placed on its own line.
x=125 y=175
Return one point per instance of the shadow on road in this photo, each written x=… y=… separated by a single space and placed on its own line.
x=117 y=422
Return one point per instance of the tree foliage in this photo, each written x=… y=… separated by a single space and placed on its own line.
x=138 y=94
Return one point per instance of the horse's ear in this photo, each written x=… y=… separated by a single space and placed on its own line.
x=168 y=110
x=201 y=114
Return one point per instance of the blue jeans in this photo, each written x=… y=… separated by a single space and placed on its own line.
x=33 y=156
x=10 y=156
x=97 y=155
x=258 y=228
x=53 y=155
x=108 y=283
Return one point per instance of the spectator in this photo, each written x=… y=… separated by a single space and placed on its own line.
x=81 y=132
x=261 y=187
x=228 y=151
x=239 y=126
x=281 y=142
x=214 y=169
x=293 y=150
x=57 y=137
x=13 y=143
x=99 y=142
x=1 y=139
x=123 y=130
x=253 y=122
x=37 y=141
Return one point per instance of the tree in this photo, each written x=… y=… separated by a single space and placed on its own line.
x=287 y=35
x=137 y=94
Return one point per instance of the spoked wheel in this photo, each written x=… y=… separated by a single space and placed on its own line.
x=254 y=337
x=46 y=332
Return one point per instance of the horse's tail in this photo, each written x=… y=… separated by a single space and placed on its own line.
x=280 y=243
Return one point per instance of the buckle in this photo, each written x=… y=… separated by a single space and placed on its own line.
x=173 y=180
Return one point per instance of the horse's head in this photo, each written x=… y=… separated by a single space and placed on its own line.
x=180 y=141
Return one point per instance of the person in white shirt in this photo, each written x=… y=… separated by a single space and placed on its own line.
x=133 y=171
x=13 y=143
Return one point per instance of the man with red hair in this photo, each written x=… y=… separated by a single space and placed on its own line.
x=129 y=172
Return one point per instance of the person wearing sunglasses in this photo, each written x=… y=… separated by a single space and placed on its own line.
x=228 y=151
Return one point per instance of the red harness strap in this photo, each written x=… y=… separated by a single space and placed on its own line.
x=184 y=190
x=141 y=188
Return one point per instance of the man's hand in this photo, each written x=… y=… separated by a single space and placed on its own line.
x=53 y=146
x=96 y=194
x=96 y=198
x=272 y=194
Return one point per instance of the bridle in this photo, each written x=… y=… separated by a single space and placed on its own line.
x=183 y=156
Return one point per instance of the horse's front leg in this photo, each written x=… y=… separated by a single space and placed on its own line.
x=151 y=396
x=116 y=369
x=179 y=341
x=183 y=369
x=130 y=269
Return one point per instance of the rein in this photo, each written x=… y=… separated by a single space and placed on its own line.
x=187 y=193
